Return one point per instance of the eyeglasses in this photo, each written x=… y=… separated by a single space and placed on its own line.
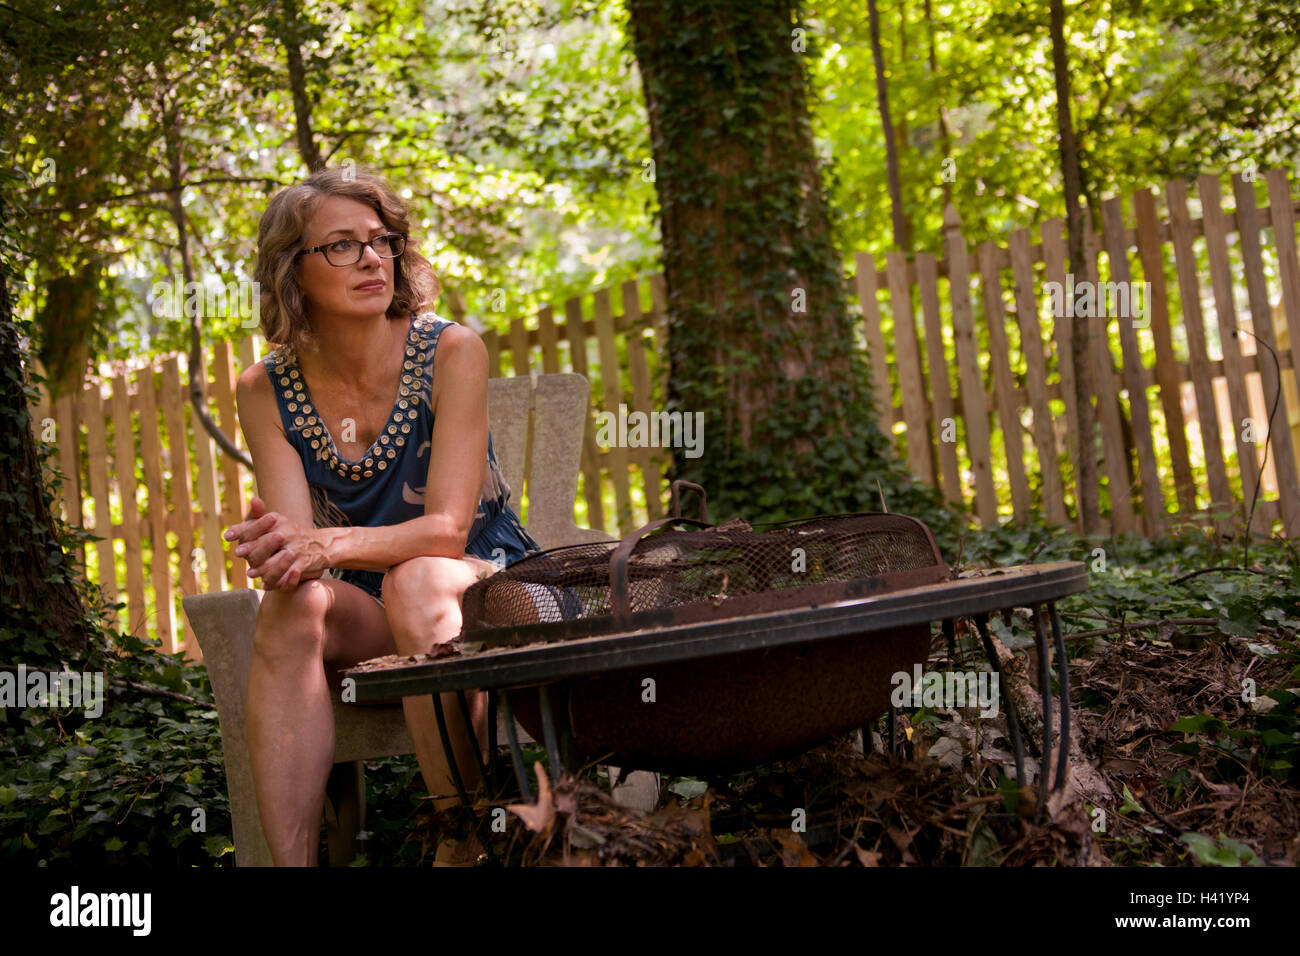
x=347 y=252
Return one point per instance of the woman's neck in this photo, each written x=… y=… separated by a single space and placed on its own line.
x=354 y=352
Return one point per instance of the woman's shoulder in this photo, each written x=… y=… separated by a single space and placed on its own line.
x=431 y=323
x=433 y=330
x=258 y=380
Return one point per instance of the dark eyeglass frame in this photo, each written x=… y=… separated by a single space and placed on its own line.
x=361 y=247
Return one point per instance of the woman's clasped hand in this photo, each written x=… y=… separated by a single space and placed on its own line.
x=278 y=550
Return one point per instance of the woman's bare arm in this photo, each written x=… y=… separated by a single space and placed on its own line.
x=281 y=515
x=281 y=482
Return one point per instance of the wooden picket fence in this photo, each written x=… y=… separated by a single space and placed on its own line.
x=1172 y=415
x=154 y=488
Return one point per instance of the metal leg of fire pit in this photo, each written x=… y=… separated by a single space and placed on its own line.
x=950 y=634
x=516 y=755
x=446 y=749
x=1013 y=724
x=494 y=752
x=548 y=731
x=1063 y=677
x=473 y=737
x=891 y=722
x=1045 y=692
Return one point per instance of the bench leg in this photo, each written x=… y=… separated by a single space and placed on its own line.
x=345 y=810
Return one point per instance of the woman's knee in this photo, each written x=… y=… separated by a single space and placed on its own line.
x=427 y=579
x=291 y=623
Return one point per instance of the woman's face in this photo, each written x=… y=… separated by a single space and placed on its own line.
x=354 y=291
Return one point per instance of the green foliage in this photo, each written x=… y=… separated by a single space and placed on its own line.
x=122 y=787
x=1161 y=90
x=1133 y=577
x=1273 y=744
x=1223 y=852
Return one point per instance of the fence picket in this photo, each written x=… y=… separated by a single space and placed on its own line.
x=927 y=277
x=870 y=307
x=1054 y=252
x=1261 y=315
x=214 y=550
x=973 y=397
x=1114 y=449
x=178 y=463
x=575 y=330
x=1153 y=501
x=1225 y=309
x=642 y=400
x=124 y=458
x=546 y=335
x=612 y=390
x=1031 y=346
x=1288 y=267
x=1004 y=386
x=95 y=415
x=1189 y=292
x=911 y=379
x=160 y=572
x=68 y=433
x=1166 y=371
x=223 y=390
x=519 y=347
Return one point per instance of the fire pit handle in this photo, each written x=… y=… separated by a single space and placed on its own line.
x=618 y=590
x=677 y=487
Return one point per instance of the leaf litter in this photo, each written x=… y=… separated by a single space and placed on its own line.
x=950 y=798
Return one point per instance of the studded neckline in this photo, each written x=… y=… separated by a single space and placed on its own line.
x=384 y=450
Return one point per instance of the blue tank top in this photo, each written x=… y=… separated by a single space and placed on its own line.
x=386 y=485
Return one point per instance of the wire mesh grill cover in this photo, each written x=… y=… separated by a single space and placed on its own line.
x=730 y=710
x=712 y=573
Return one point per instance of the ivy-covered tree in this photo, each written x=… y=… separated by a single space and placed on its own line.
x=761 y=339
x=41 y=611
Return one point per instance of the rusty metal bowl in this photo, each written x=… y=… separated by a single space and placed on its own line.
x=714 y=714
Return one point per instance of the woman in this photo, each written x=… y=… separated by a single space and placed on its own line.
x=380 y=496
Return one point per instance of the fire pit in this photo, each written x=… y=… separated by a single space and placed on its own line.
x=719 y=647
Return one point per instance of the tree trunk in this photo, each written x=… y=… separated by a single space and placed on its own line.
x=306 y=138
x=760 y=339
x=945 y=138
x=1085 y=453
x=902 y=240
x=37 y=589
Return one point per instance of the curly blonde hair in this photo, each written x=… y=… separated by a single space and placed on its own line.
x=284 y=320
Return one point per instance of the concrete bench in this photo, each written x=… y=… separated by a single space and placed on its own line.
x=223 y=622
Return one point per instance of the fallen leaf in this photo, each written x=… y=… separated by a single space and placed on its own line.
x=793 y=850
x=948 y=752
x=867 y=857
x=537 y=816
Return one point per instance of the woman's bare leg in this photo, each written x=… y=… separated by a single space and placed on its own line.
x=422 y=596
x=289 y=712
